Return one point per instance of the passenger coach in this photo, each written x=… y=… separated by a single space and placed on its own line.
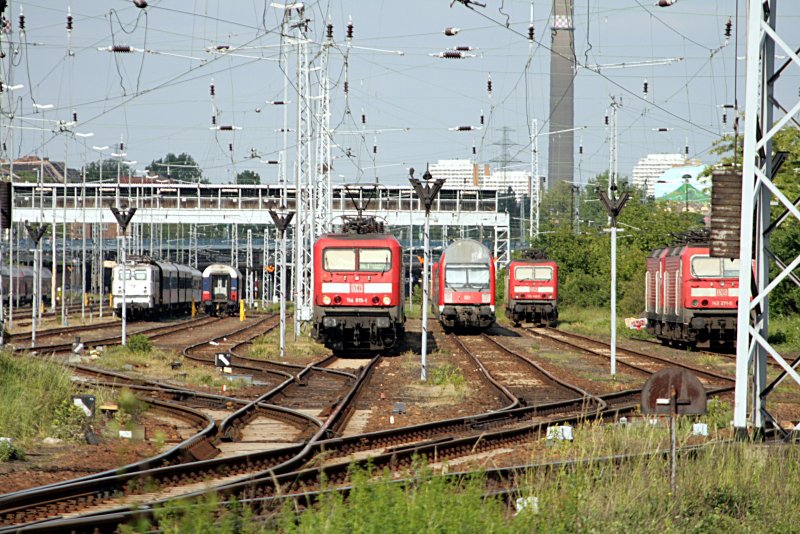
x=222 y=289
x=153 y=287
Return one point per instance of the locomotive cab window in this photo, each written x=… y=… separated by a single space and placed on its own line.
x=339 y=259
x=462 y=277
x=707 y=267
x=140 y=274
x=530 y=273
x=374 y=259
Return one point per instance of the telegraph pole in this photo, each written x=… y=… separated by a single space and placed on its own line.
x=613 y=206
x=282 y=223
x=427 y=194
x=35 y=232
x=123 y=218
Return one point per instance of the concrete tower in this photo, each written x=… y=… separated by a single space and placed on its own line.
x=562 y=77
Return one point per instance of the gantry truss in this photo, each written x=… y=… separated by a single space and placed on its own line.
x=759 y=167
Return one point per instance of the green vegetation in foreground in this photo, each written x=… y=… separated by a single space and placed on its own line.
x=722 y=488
x=31 y=390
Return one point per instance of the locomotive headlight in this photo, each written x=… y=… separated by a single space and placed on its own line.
x=386 y=301
x=694 y=303
x=326 y=300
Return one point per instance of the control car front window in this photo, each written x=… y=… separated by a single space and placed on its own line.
x=339 y=259
x=463 y=277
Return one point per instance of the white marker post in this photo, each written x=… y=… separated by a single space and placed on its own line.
x=427 y=194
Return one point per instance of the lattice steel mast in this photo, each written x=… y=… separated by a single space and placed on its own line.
x=759 y=168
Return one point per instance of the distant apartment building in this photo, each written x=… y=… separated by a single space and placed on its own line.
x=652 y=166
x=518 y=181
x=459 y=172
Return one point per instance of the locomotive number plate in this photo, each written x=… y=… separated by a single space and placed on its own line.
x=356 y=288
x=356 y=300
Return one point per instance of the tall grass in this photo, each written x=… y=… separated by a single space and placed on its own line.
x=723 y=488
x=30 y=392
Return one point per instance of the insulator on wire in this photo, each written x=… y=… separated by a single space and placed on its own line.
x=222 y=47
x=21 y=21
x=74 y=116
x=374 y=149
x=330 y=31
x=211 y=88
x=686 y=150
x=531 y=33
x=230 y=147
x=724 y=118
x=69 y=23
x=227 y=128
x=606 y=119
x=121 y=49
x=644 y=88
x=272 y=162
x=452 y=54
x=474 y=150
x=363 y=118
x=580 y=149
x=489 y=85
x=464 y=48
x=451 y=31
x=346 y=87
x=482 y=118
x=728 y=26
x=350 y=29
x=214 y=120
x=464 y=128
x=4 y=146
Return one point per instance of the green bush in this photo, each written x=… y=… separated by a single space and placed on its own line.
x=9 y=451
x=139 y=343
x=442 y=375
x=69 y=422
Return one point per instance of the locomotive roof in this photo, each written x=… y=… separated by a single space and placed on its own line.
x=466 y=251
x=529 y=261
x=359 y=237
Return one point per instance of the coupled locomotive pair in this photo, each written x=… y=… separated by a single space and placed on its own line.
x=691 y=297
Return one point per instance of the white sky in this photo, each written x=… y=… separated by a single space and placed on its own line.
x=160 y=103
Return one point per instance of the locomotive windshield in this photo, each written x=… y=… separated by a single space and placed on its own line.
x=339 y=259
x=376 y=260
x=461 y=277
x=706 y=267
x=526 y=273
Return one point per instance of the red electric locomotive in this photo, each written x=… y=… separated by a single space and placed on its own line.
x=691 y=297
x=532 y=291
x=462 y=286
x=358 y=290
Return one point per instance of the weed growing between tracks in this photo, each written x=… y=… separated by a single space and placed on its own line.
x=137 y=358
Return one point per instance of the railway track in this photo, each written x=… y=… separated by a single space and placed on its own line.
x=526 y=380
x=154 y=332
x=638 y=362
x=100 y=494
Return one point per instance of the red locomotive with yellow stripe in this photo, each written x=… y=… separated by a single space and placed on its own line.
x=358 y=292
